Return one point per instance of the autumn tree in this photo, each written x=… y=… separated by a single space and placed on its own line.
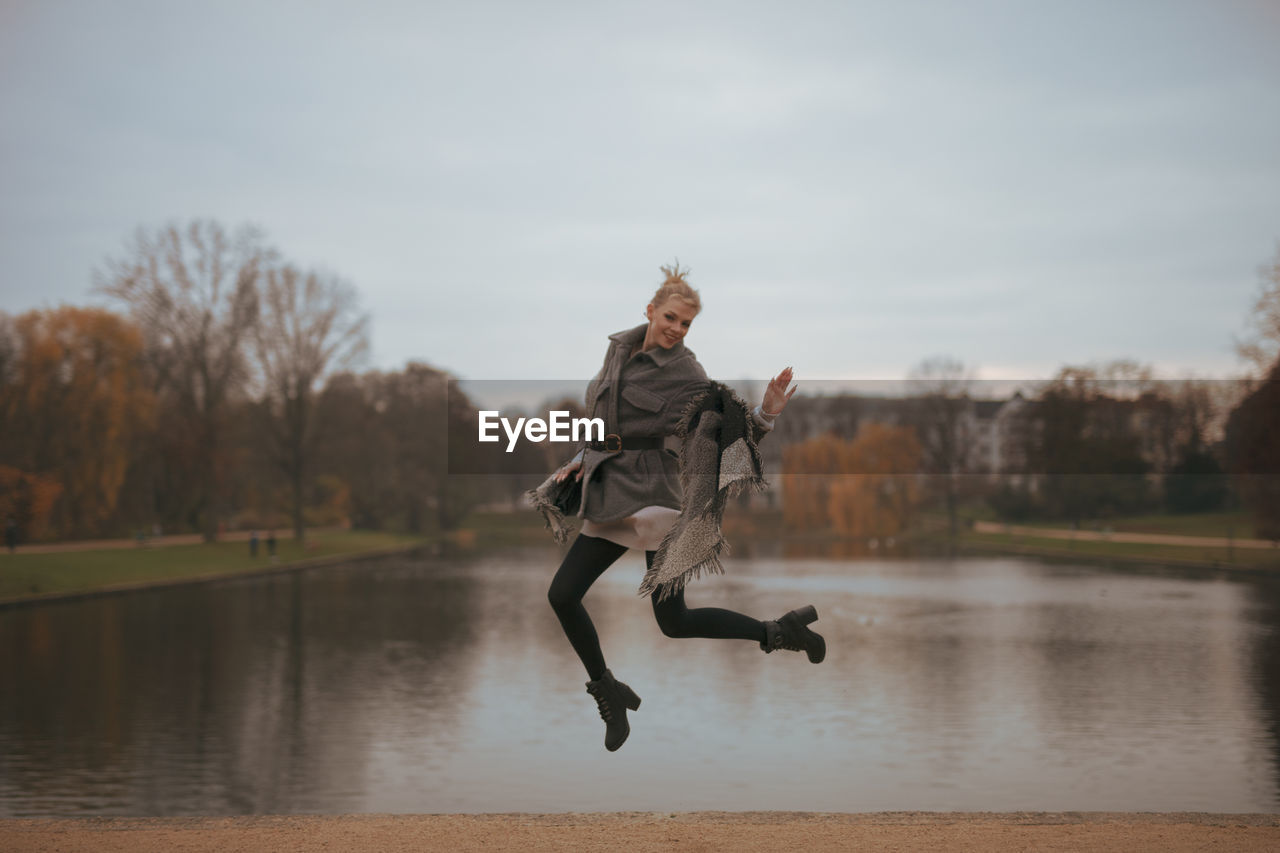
x=357 y=446
x=864 y=487
x=9 y=349
x=74 y=401
x=193 y=292
x=387 y=438
x=878 y=492
x=1084 y=444
x=309 y=324
x=441 y=481
x=807 y=475
x=1195 y=480
x=415 y=408
x=28 y=499
x=1253 y=451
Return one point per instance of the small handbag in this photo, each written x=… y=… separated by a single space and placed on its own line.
x=566 y=496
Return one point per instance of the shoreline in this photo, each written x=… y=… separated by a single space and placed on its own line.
x=208 y=578
x=637 y=832
x=983 y=542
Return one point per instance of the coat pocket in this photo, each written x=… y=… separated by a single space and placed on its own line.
x=642 y=399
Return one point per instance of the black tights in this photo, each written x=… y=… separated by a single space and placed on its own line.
x=587 y=560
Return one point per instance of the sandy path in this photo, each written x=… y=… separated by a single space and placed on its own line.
x=641 y=832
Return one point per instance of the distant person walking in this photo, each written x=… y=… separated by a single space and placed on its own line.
x=11 y=534
x=632 y=493
x=253 y=543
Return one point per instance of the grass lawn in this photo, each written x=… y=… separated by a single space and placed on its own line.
x=24 y=575
x=1128 y=551
x=929 y=526
x=1237 y=524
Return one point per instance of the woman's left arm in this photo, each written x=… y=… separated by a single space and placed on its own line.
x=777 y=395
x=775 y=400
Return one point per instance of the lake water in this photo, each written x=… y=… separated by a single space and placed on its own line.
x=444 y=684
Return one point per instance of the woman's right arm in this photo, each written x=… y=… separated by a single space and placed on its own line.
x=573 y=466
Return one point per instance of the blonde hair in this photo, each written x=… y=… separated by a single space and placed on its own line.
x=675 y=285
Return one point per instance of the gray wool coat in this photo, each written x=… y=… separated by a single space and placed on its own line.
x=655 y=387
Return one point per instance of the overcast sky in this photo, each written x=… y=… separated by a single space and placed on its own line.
x=856 y=186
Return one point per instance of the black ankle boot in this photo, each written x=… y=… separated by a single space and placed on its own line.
x=613 y=698
x=789 y=632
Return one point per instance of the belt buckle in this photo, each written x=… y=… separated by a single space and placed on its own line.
x=617 y=443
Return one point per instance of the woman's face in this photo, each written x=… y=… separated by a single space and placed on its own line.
x=668 y=322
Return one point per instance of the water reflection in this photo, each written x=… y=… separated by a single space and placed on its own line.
x=259 y=696
x=1264 y=665
x=446 y=684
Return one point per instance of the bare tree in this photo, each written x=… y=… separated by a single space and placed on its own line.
x=1261 y=344
x=943 y=416
x=309 y=326
x=193 y=291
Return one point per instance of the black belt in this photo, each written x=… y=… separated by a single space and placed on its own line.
x=614 y=443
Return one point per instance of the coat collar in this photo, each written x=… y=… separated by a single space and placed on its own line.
x=661 y=357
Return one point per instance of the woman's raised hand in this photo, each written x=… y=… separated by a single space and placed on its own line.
x=777 y=395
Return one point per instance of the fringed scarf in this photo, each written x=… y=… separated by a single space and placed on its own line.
x=556 y=501
x=718 y=461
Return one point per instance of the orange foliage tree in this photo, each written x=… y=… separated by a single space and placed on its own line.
x=879 y=489
x=27 y=499
x=865 y=487
x=74 y=400
x=807 y=469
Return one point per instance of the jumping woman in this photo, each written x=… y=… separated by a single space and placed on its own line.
x=631 y=494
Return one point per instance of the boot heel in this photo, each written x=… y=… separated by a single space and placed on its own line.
x=816 y=647
x=612 y=699
x=807 y=614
